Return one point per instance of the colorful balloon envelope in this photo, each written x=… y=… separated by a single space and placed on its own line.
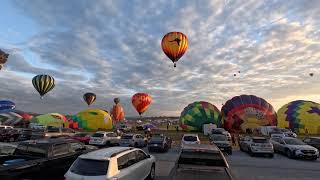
x=6 y=106
x=196 y=114
x=141 y=102
x=117 y=113
x=174 y=45
x=93 y=119
x=89 y=98
x=246 y=112
x=3 y=58
x=300 y=116
x=43 y=84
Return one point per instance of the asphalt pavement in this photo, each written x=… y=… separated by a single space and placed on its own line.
x=245 y=167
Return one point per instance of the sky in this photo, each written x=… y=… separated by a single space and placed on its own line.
x=112 y=48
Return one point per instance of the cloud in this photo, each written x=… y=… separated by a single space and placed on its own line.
x=113 y=48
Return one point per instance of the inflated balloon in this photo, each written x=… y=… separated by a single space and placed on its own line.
x=247 y=111
x=89 y=98
x=51 y=119
x=43 y=84
x=3 y=58
x=6 y=106
x=196 y=114
x=116 y=100
x=93 y=119
x=174 y=45
x=141 y=102
x=300 y=116
x=117 y=113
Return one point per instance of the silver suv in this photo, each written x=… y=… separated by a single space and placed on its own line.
x=102 y=138
x=113 y=163
x=133 y=140
x=256 y=145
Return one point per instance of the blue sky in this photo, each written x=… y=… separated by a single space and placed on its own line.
x=113 y=48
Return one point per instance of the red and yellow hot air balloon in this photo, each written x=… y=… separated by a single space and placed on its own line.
x=89 y=98
x=174 y=45
x=141 y=102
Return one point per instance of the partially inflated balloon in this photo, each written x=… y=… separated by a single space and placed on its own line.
x=7 y=106
x=174 y=45
x=141 y=102
x=3 y=58
x=43 y=84
x=117 y=113
x=116 y=100
x=89 y=98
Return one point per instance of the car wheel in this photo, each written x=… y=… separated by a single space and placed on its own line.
x=289 y=154
x=152 y=173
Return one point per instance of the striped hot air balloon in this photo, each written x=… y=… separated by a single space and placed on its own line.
x=174 y=45
x=43 y=84
x=89 y=98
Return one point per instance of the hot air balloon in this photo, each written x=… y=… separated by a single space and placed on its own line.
x=247 y=111
x=93 y=119
x=43 y=84
x=196 y=114
x=174 y=45
x=3 y=58
x=141 y=102
x=311 y=74
x=89 y=98
x=7 y=106
x=234 y=75
x=116 y=100
x=117 y=113
x=299 y=116
x=239 y=72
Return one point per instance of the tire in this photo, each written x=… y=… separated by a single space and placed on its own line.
x=289 y=154
x=152 y=173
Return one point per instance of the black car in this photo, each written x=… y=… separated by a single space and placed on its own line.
x=313 y=141
x=9 y=135
x=159 y=143
x=222 y=142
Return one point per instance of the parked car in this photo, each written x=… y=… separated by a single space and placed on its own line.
x=313 y=141
x=221 y=131
x=201 y=161
x=102 y=138
x=256 y=145
x=288 y=132
x=58 y=131
x=294 y=148
x=133 y=140
x=40 y=159
x=159 y=143
x=221 y=141
x=7 y=149
x=190 y=139
x=123 y=163
x=82 y=137
x=9 y=135
x=31 y=134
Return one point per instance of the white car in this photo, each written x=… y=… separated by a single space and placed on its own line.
x=221 y=131
x=102 y=138
x=133 y=140
x=113 y=163
x=190 y=139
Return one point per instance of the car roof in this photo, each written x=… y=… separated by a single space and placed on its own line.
x=47 y=141
x=104 y=153
x=200 y=147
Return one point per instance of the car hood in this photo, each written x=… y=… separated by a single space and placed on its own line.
x=304 y=147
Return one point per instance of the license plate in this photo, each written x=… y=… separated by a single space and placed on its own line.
x=155 y=145
x=309 y=154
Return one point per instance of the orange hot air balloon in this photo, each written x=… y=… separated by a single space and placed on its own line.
x=117 y=113
x=174 y=45
x=141 y=102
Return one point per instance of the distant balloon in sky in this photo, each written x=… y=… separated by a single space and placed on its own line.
x=116 y=100
x=89 y=98
x=3 y=58
x=43 y=84
x=174 y=45
x=311 y=74
x=6 y=106
x=234 y=75
x=239 y=72
x=141 y=102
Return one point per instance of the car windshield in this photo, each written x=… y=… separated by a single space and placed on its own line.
x=80 y=135
x=88 y=167
x=157 y=139
x=294 y=142
x=260 y=140
x=190 y=138
x=219 y=138
x=7 y=149
x=201 y=158
x=97 y=135
x=127 y=137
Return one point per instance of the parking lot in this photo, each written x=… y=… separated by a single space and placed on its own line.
x=245 y=167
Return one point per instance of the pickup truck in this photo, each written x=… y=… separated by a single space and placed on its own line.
x=201 y=162
x=41 y=159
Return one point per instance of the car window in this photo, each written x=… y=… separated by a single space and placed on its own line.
x=60 y=149
x=97 y=135
x=127 y=160
x=76 y=146
x=111 y=135
x=201 y=158
x=127 y=137
x=88 y=167
x=294 y=142
x=39 y=150
x=275 y=139
x=140 y=155
x=260 y=140
x=315 y=141
x=190 y=138
x=219 y=138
